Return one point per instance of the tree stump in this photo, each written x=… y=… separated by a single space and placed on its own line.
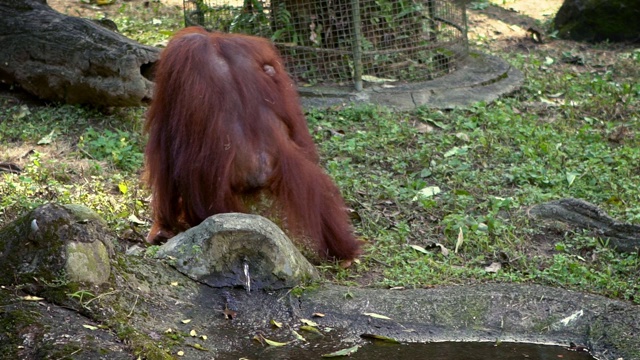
x=72 y=60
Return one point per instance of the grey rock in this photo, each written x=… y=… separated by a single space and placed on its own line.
x=55 y=244
x=217 y=251
x=599 y=20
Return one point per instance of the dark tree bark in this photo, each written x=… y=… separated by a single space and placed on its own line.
x=73 y=60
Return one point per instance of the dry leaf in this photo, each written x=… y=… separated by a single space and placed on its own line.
x=310 y=329
x=426 y=193
x=343 y=352
x=374 y=79
x=298 y=336
x=463 y=136
x=493 y=268
x=443 y=249
x=199 y=347
x=424 y=128
x=380 y=337
x=377 y=316
x=309 y=322
x=274 y=343
x=460 y=241
x=419 y=249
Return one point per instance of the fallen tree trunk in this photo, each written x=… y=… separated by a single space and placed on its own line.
x=624 y=237
x=73 y=60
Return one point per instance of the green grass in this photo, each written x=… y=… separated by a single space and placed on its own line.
x=571 y=131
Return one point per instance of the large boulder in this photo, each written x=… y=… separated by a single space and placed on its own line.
x=55 y=245
x=238 y=250
x=599 y=20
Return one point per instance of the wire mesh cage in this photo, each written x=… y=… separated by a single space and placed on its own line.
x=347 y=41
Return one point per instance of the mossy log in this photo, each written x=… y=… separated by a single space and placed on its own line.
x=69 y=59
x=579 y=213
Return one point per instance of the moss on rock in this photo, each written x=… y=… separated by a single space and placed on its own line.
x=54 y=244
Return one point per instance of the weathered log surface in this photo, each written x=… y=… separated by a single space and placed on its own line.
x=624 y=237
x=73 y=60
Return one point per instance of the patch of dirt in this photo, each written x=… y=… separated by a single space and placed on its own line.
x=537 y=9
x=511 y=22
x=93 y=11
x=543 y=242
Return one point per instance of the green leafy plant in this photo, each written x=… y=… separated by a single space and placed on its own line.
x=122 y=148
x=479 y=5
x=285 y=31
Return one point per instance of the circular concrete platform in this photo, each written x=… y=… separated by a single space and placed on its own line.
x=481 y=78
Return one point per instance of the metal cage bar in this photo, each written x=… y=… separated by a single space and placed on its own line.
x=339 y=42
